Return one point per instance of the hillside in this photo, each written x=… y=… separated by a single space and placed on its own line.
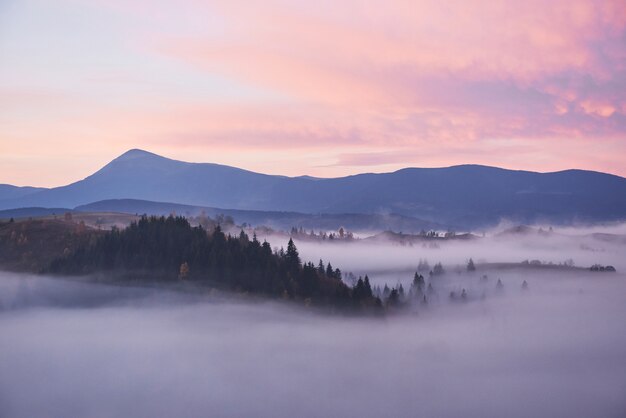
x=468 y=196
x=31 y=245
x=32 y=212
x=274 y=219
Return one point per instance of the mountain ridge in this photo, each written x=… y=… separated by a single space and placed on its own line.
x=8 y=191
x=281 y=220
x=469 y=195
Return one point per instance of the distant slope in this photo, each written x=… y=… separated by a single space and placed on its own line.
x=467 y=195
x=31 y=212
x=274 y=219
x=14 y=192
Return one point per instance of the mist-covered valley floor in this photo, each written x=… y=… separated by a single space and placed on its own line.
x=556 y=348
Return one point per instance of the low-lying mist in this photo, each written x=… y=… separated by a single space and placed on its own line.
x=553 y=349
x=390 y=262
x=557 y=350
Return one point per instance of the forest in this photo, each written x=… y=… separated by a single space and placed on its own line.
x=171 y=249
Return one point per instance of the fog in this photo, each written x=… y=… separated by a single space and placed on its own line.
x=557 y=349
x=389 y=262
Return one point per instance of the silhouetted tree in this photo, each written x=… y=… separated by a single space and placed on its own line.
x=438 y=269
x=367 y=287
x=418 y=284
x=386 y=291
x=329 y=270
x=320 y=267
x=166 y=248
x=292 y=256
x=394 y=298
x=470 y=265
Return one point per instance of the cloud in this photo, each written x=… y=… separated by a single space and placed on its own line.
x=333 y=78
x=418 y=72
x=515 y=69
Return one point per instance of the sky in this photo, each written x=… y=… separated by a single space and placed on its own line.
x=322 y=88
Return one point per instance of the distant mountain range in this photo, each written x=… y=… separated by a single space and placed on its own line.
x=273 y=219
x=8 y=192
x=466 y=196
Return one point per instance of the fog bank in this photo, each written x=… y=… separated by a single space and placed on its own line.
x=555 y=350
x=388 y=261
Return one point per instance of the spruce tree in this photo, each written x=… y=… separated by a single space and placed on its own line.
x=293 y=258
x=470 y=265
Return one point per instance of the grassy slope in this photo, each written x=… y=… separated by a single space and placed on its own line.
x=30 y=245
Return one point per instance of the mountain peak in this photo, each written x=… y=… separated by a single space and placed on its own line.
x=135 y=153
x=133 y=158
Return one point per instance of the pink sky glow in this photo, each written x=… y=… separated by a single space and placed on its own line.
x=324 y=88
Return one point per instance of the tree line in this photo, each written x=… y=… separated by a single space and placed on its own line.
x=171 y=249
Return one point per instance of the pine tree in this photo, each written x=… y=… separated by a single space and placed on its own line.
x=438 y=269
x=417 y=287
x=243 y=238
x=358 y=291
x=470 y=265
x=394 y=297
x=320 y=267
x=367 y=287
x=329 y=270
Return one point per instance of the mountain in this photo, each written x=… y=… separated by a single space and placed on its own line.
x=468 y=195
x=274 y=219
x=142 y=175
x=12 y=192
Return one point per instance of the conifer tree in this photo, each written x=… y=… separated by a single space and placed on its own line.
x=470 y=265
x=367 y=287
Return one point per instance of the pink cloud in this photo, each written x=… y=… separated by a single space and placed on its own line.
x=514 y=67
x=534 y=84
